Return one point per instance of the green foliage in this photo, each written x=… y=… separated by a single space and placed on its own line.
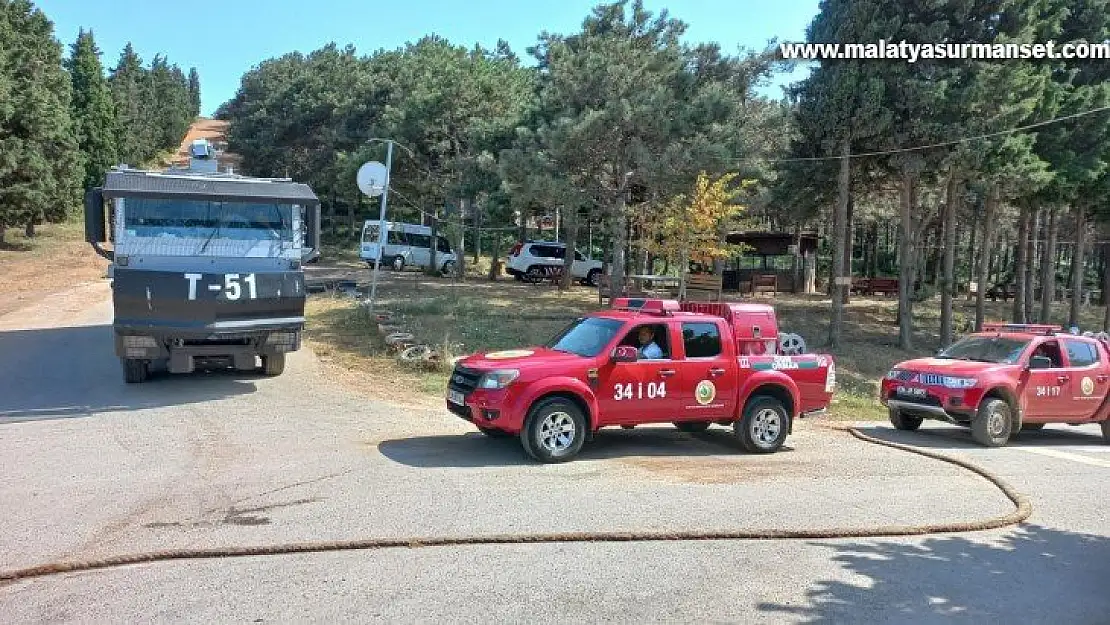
x=93 y=110
x=194 y=92
x=40 y=164
x=153 y=106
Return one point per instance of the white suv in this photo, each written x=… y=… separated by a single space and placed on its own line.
x=532 y=256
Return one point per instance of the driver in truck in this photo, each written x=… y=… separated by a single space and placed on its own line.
x=648 y=348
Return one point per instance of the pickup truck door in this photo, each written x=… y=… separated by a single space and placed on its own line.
x=1047 y=392
x=1089 y=380
x=708 y=371
x=643 y=391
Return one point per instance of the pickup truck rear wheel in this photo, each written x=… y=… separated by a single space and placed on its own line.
x=763 y=428
x=554 y=431
x=904 y=421
x=1105 y=431
x=993 y=423
x=692 y=426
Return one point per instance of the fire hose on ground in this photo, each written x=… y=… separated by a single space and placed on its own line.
x=1022 y=510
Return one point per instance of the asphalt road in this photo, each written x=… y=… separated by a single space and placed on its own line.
x=92 y=467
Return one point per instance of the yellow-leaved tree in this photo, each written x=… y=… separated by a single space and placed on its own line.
x=692 y=228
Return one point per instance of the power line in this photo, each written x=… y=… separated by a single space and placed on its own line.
x=925 y=147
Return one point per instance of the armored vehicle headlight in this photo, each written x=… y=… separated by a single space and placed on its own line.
x=498 y=379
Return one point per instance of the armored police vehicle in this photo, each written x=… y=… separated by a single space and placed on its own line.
x=206 y=266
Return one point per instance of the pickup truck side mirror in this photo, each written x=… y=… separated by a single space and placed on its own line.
x=625 y=353
x=1040 y=362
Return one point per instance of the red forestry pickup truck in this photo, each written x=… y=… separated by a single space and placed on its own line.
x=718 y=364
x=1007 y=378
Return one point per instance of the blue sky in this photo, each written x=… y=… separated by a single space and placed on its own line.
x=225 y=39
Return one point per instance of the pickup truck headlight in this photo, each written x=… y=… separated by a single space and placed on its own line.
x=893 y=374
x=498 y=379
x=954 y=382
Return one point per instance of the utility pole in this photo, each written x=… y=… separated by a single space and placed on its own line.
x=381 y=224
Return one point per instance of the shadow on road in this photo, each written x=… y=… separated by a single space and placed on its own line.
x=73 y=372
x=960 y=438
x=475 y=449
x=1034 y=575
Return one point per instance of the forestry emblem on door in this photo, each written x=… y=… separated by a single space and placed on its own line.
x=1088 y=386
x=705 y=392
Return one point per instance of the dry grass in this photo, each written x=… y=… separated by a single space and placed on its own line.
x=480 y=315
x=55 y=259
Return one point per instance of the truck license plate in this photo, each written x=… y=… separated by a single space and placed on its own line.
x=910 y=391
x=456 y=398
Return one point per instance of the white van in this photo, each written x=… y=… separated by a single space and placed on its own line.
x=406 y=245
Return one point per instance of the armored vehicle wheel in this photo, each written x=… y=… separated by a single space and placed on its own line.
x=692 y=426
x=904 y=421
x=135 y=371
x=273 y=364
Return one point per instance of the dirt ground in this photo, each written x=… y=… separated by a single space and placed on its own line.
x=54 y=261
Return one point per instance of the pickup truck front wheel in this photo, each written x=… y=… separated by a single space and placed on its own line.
x=1105 y=432
x=904 y=421
x=993 y=424
x=763 y=428
x=554 y=431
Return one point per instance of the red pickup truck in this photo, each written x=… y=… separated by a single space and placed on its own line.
x=1007 y=378
x=718 y=364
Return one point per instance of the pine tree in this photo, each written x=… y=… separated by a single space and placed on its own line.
x=128 y=82
x=194 y=92
x=40 y=174
x=93 y=110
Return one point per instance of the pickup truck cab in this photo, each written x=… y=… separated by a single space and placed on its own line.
x=718 y=365
x=1007 y=378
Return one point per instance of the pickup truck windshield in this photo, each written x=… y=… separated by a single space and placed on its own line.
x=586 y=336
x=994 y=349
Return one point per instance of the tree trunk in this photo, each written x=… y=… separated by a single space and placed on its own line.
x=3 y=233
x=29 y=231
x=849 y=243
x=1077 y=264
x=618 y=228
x=795 y=266
x=1106 y=288
x=570 y=223
x=972 y=264
x=432 y=264
x=495 y=252
x=1048 y=267
x=460 y=256
x=908 y=270
x=1018 y=314
x=840 y=235
x=990 y=209
x=1031 y=261
x=947 y=289
x=477 y=234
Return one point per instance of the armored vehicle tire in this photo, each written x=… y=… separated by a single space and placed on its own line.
x=493 y=432
x=763 y=428
x=554 y=431
x=135 y=371
x=1032 y=426
x=273 y=364
x=692 y=426
x=904 y=421
x=993 y=423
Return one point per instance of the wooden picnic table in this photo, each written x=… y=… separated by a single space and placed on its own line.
x=648 y=282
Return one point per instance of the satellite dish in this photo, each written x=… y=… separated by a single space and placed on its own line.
x=371 y=178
